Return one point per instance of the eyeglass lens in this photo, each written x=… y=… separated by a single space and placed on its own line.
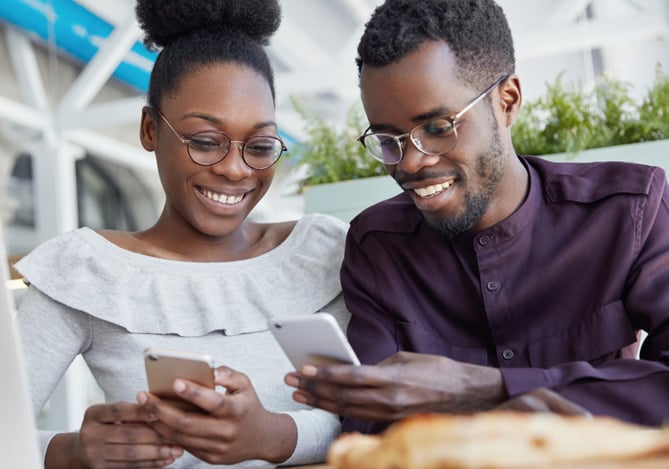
x=432 y=137
x=208 y=148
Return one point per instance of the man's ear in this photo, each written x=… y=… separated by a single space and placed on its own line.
x=148 y=130
x=510 y=98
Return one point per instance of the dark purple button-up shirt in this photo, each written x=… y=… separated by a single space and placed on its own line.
x=551 y=295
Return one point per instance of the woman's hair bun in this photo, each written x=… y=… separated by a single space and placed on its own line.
x=163 y=21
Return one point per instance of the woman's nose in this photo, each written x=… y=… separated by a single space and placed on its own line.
x=233 y=166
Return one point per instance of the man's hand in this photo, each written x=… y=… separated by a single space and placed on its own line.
x=404 y=384
x=543 y=400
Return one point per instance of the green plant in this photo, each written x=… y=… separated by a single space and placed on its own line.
x=654 y=110
x=333 y=154
x=568 y=119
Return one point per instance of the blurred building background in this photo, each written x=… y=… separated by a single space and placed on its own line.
x=73 y=74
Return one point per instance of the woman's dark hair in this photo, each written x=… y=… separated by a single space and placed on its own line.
x=475 y=30
x=197 y=33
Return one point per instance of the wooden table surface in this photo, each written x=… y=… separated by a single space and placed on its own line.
x=655 y=463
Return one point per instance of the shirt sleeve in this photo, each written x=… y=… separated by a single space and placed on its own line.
x=371 y=328
x=633 y=390
x=52 y=336
x=316 y=429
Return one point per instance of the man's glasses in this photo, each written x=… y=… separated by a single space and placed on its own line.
x=208 y=147
x=433 y=137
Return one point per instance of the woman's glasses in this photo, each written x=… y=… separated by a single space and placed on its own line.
x=208 y=147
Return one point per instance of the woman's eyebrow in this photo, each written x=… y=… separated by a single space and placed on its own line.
x=220 y=122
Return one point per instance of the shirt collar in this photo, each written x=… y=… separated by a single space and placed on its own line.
x=518 y=220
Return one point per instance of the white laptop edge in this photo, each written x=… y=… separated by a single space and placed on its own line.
x=19 y=446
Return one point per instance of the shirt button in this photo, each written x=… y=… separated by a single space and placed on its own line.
x=493 y=286
x=507 y=354
x=483 y=240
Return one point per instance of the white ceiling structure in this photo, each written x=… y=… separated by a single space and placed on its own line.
x=313 y=54
x=316 y=55
x=313 y=51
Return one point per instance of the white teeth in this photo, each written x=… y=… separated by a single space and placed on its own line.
x=433 y=189
x=222 y=198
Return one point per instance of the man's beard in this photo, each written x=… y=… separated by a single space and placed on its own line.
x=475 y=207
x=490 y=168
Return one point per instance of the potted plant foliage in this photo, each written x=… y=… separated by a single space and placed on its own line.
x=338 y=177
x=566 y=124
x=605 y=124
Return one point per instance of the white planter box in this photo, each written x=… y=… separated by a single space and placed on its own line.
x=651 y=153
x=346 y=199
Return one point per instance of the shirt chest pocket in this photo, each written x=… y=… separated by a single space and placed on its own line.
x=596 y=339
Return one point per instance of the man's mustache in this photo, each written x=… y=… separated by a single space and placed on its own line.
x=402 y=177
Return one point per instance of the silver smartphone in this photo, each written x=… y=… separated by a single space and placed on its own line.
x=163 y=366
x=315 y=339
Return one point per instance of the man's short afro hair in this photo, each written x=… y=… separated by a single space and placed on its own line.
x=475 y=30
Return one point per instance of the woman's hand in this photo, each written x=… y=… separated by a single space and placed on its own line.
x=236 y=427
x=404 y=384
x=112 y=436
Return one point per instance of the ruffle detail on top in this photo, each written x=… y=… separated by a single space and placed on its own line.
x=145 y=294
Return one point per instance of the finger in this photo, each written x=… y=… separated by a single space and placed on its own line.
x=233 y=381
x=118 y=412
x=211 y=436
x=203 y=397
x=141 y=453
x=556 y=403
x=224 y=456
x=172 y=423
x=132 y=433
x=139 y=464
x=569 y=408
x=358 y=403
x=214 y=437
x=163 y=410
x=352 y=391
x=524 y=403
x=191 y=397
x=363 y=412
x=543 y=400
x=345 y=375
x=292 y=380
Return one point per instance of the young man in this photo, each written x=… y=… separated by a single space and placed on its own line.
x=492 y=274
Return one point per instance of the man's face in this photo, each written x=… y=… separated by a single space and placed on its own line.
x=457 y=190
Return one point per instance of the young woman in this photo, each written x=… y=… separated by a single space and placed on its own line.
x=204 y=278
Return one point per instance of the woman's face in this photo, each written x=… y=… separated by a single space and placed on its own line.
x=231 y=98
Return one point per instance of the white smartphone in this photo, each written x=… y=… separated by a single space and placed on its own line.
x=315 y=339
x=163 y=366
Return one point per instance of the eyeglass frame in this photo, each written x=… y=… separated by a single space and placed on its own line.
x=453 y=119
x=186 y=141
